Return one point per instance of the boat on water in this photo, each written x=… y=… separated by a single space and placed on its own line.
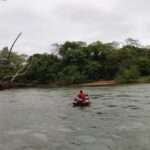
x=81 y=103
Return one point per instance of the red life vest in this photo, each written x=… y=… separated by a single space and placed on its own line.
x=82 y=96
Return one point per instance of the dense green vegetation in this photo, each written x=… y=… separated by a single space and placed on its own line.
x=78 y=62
x=9 y=66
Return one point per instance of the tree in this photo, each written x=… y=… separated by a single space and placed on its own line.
x=42 y=67
x=133 y=42
x=93 y=70
x=4 y=52
x=143 y=64
x=78 y=62
x=128 y=75
x=9 y=67
x=64 y=48
x=71 y=74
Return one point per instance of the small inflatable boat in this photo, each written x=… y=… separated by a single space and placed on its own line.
x=79 y=103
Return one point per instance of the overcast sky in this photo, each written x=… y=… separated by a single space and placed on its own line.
x=44 y=22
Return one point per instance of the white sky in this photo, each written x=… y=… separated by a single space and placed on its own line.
x=44 y=22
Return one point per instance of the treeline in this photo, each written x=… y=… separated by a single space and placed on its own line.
x=78 y=62
x=9 y=66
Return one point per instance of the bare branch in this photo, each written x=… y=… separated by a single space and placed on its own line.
x=18 y=36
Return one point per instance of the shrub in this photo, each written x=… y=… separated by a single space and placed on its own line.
x=128 y=75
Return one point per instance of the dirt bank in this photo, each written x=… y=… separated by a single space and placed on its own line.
x=100 y=83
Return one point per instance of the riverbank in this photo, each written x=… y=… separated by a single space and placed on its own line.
x=100 y=83
x=10 y=85
x=7 y=85
x=88 y=84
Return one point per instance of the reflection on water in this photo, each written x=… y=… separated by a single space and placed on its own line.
x=44 y=119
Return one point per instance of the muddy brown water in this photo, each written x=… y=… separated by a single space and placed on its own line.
x=44 y=119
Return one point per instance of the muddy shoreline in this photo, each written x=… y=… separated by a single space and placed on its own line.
x=11 y=85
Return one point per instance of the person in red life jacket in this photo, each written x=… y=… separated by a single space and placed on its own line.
x=82 y=96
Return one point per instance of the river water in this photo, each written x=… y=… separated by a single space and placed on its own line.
x=44 y=119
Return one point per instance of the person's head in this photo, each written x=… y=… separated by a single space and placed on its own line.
x=81 y=91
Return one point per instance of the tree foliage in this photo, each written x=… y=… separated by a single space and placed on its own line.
x=77 y=62
x=8 y=67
